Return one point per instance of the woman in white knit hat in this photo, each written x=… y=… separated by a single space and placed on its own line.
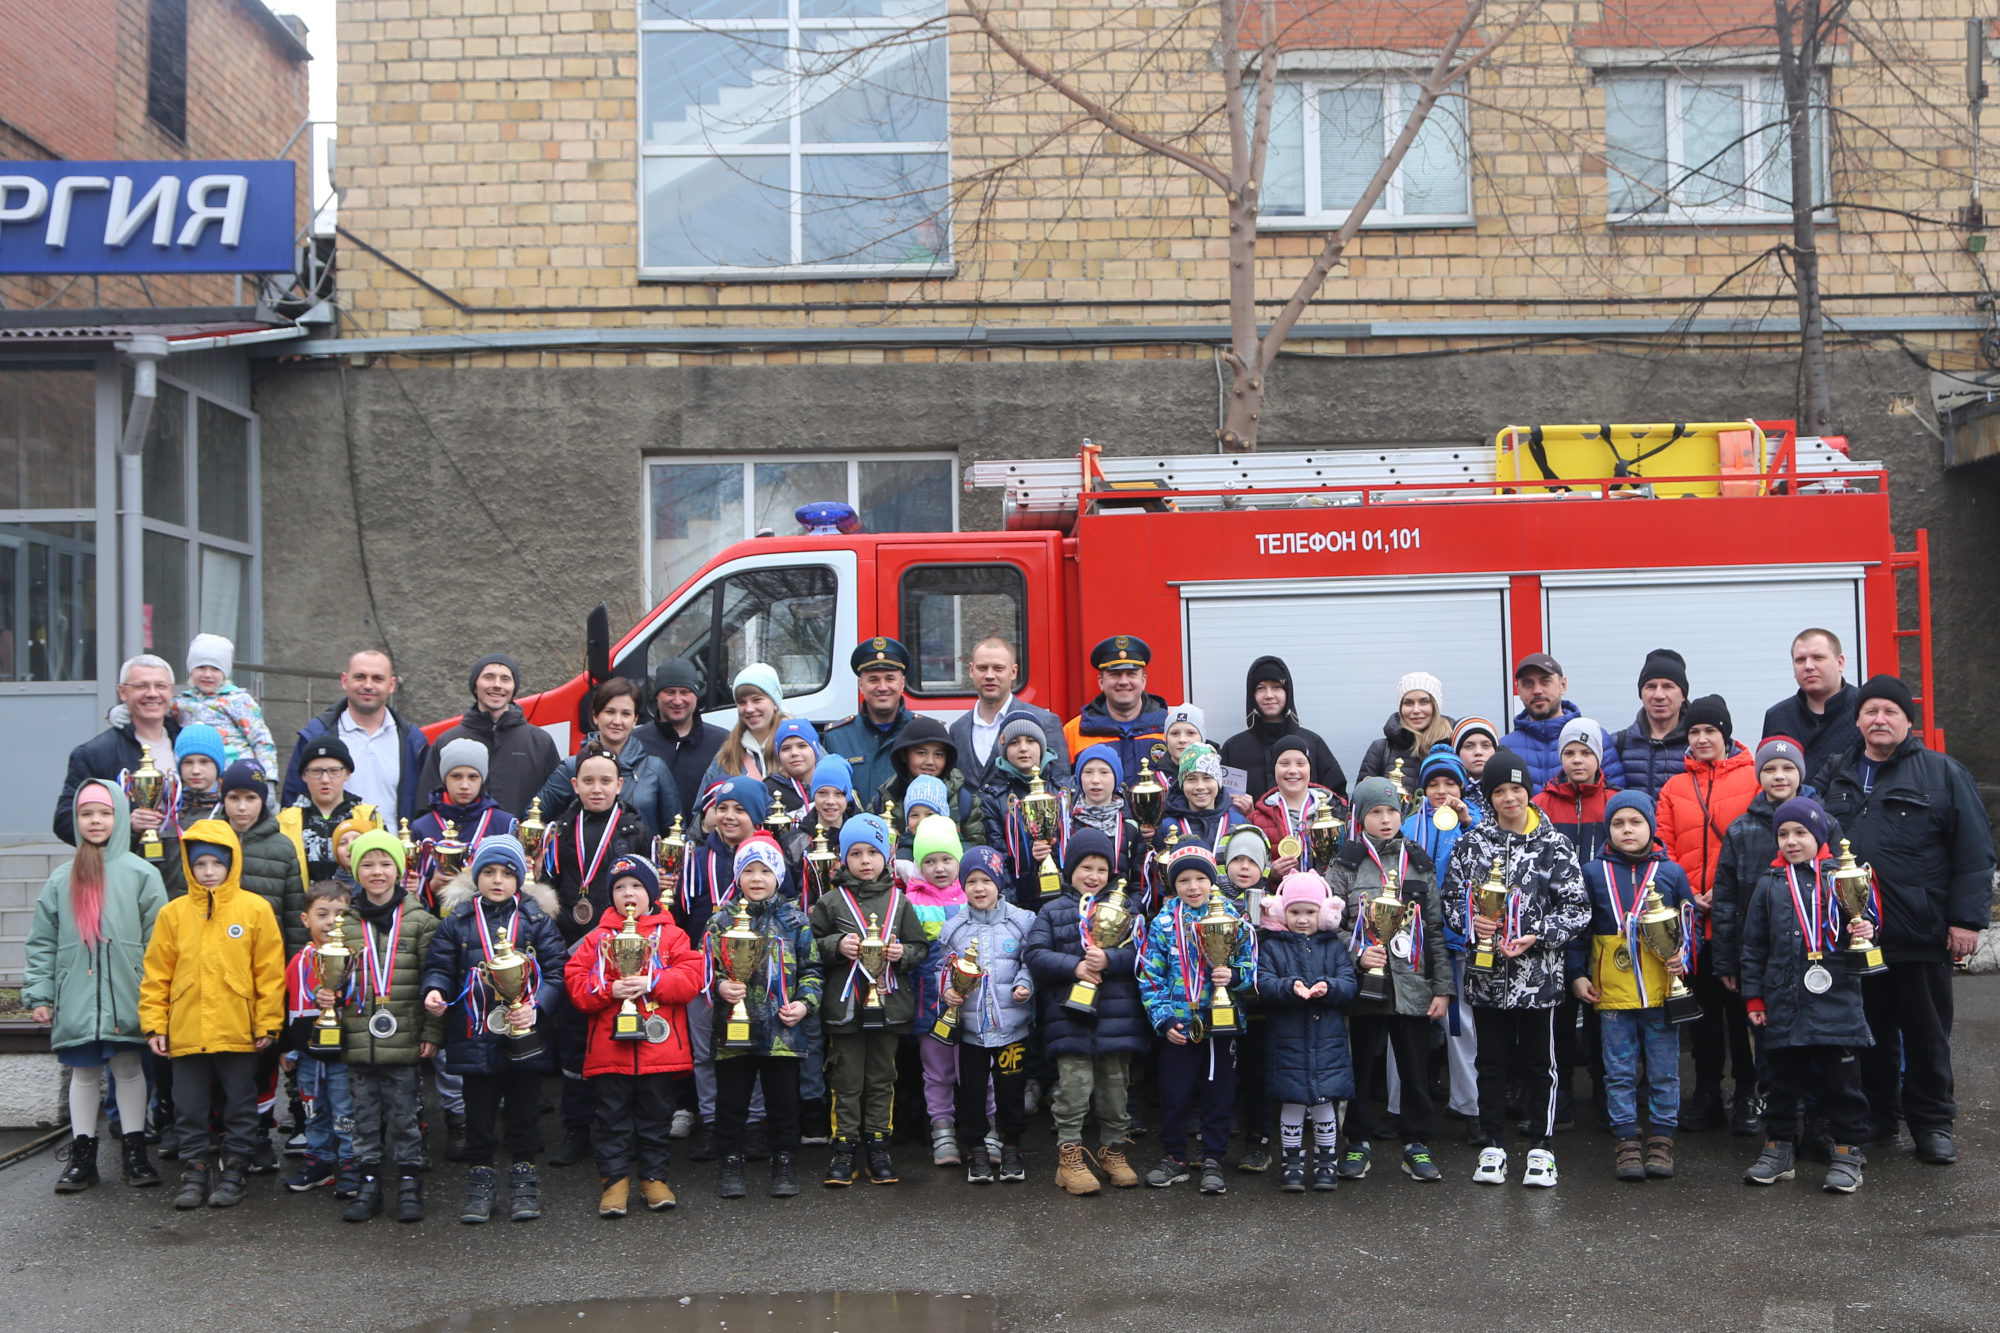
x=1418 y=723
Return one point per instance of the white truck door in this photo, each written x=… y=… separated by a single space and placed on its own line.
x=1734 y=626
x=1347 y=642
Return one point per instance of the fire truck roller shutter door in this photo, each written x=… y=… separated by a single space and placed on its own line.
x=1348 y=642
x=1734 y=627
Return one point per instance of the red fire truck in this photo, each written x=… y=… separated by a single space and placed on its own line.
x=1593 y=543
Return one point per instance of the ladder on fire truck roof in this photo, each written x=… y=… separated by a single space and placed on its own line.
x=1044 y=493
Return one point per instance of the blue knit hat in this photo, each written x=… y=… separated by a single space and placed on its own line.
x=747 y=792
x=1109 y=756
x=800 y=728
x=1806 y=811
x=1189 y=855
x=869 y=829
x=200 y=738
x=1442 y=760
x=834 y=771
x=1633 y=800
x=500 y=849
x=639 y=868
x=927 y=793
x=987 y=862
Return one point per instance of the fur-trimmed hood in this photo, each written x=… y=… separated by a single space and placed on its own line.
x=458 y=892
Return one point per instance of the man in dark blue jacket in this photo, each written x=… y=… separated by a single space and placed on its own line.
x=357 y=721
x=677 y=734
x=1540 y=685
x=1915 y=816
x=867 y=739
x=1820 y=716
x=1654 y=747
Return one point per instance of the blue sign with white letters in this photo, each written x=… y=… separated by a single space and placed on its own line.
x=147 y=217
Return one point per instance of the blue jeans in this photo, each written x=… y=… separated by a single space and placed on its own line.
x=329 y=1109
x=1628 y=1033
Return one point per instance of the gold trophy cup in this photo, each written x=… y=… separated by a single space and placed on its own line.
x=1041 y=814
x=450 y=851
x=1856 y=886
x=1489 y=900
x=531 y=831
x=670 y=852
x=1396 y=781
x=1218 y=930
x=889 y=818
x=820 y=863
x=334 y=963
x=742 y=955
x=409 y=842
x=780 y=820
x=1384 y=914
x=1660 y=932
x=628 y=950
x=1323 y=835
x=507 y=973
x=872 y=958
x=962 y=975
x=149 y=789
x=1149 y=798
x=1110 y=923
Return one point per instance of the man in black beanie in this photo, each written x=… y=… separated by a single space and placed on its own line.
x=677 y=734
x=1916 y=816
x=1654 y=747
x=521 y=756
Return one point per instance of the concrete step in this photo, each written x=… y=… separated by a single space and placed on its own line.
x=24 y=869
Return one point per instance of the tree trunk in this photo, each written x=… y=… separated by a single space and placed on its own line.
x=1798 y=60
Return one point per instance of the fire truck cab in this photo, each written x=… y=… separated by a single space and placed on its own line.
x=1593 y=543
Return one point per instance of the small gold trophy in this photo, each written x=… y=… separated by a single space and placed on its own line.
x=670 y=852
x=1396 y=781
x=531 y=831
x=1489 y=901
x=820 y=863
x=889 y=818
x=1856 y=886
x=507 y=973
x=1149 y=798
x=149 y=789
x=334 y=963
x=409 y=842
x=742 y=955
x=1384 y=915
x=1110 y=924
x=628 y=950
x=780 y=821
x=450 y=851
x=1218 y=932
x=1324 y=835
x=1660 y=932
x=962 y=974
x=873 y=957
x=1041 y=815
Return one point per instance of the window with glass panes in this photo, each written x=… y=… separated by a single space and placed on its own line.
x=199 y=547
x=1707 y=148
x=1330 y=135
x=697 y=508
x=48 y=521
x=793 y=134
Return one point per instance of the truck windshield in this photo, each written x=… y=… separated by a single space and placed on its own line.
x=781 y=616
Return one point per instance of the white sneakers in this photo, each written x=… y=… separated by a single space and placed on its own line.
x=1492 y=1168
x=682 y=1126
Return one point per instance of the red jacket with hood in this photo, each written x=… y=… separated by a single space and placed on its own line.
x=677 y=981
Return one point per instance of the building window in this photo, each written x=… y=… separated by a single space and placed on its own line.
x=166 y=65
x=1707 y=149
x=48 y=533
x=808 y=135
x=199 y=551
x=945 y=611
x=699 y=508
x=1329 y=137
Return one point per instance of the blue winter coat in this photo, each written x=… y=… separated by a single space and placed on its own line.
x=1649 y=763
x=1825 y=735
x=468 y=1047
x=1306 y=1056
x=1053 y=949
x=1774 y=968
x=1671 y=882
x=1160 y=984
x=1536 y=741
x=409 y=783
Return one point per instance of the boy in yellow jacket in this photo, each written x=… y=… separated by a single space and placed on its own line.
x=214 y=996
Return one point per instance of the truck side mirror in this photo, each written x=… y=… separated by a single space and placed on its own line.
x=597 y=645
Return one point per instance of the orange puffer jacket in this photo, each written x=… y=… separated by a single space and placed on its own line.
x=1696 y=809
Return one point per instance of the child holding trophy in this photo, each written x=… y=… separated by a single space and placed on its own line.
x=1611 y=967
x=1805 y=1001
x=327 y=1111
x=1398 y=940
x=1436 y=825
x=872 y=941
x=989 y=1022
x=1305 y=978
x=938 y=897
x=1027 y=831
x=496 y=959
x=385 y=1029
x=461 y=801
x=631 y=978
x=1515 y=889
x=1197 y=949
x=1081 y=953
x=764 y=965
x=1288 y=811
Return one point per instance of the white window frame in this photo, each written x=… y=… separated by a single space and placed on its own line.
x=791 y=26
x=750 y=462
x=1396 y=84
x=1759 y=161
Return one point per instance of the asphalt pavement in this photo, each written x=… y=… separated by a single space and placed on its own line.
x=1918 y=1248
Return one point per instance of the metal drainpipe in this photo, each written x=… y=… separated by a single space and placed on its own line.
x=146 y=350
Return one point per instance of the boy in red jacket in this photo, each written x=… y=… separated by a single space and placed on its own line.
x=630 y=1079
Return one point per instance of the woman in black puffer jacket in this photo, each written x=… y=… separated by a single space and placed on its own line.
x=1418 y=723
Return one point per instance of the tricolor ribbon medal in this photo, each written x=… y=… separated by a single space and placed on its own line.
x=380 y=965
x=583 y=912
x=1625 y=954
x=1813 y=929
